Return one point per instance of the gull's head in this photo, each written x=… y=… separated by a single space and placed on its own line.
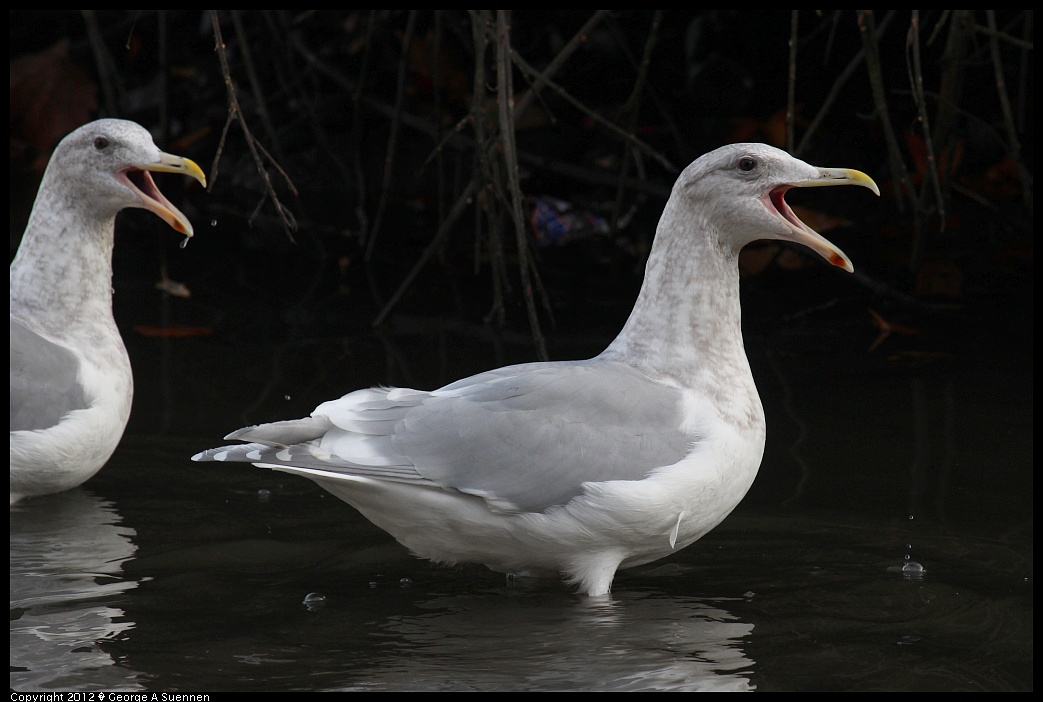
x=739 y=190
x=106 y=166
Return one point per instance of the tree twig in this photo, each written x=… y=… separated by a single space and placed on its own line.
x=490 y=225
x=791 y=88
x=235 y=115
x=557 y=62
x=255 y=83
x=931 y=182
x=994 y=34
x=505 y=90
x=462 y=202
x=839 y=83
x=1008 y=115
x=630 y=112
x=867 y=29
x=630 y=139
x=389 y=157
x=106 y=70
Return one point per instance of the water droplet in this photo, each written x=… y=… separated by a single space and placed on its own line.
x=911 y=517
x=213 y=223
x=286 y=397
x=913 y=571
x=184 y=242
x=314 y=600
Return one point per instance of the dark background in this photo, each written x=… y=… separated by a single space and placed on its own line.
x=367 y=148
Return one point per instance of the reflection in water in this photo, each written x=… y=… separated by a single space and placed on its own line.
x=630 y=641
x=67 y=552
x=933 y=458
x=934 y=418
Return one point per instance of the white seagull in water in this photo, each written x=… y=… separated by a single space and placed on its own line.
x=71 y=383
x=579 y=468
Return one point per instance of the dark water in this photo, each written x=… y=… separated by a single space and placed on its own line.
x=886 y=545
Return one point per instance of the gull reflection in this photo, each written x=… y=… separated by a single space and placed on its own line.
x=627 y=642
x=67 y=552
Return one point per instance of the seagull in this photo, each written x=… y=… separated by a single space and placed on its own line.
x=576 y=469
x=71 y=382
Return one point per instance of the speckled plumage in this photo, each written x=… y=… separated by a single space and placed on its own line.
x=579 y=468
x=71 y=382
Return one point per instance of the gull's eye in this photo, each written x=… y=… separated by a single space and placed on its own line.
x=101 y=143
x=747 y=164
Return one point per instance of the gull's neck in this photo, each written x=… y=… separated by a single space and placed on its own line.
x=62 y=273
x=685 y=329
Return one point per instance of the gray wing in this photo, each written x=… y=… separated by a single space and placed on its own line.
x=533 y=438
x=523 y=437
x=44 y=384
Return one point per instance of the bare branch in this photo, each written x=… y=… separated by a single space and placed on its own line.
x=631 y=111
x=559 y=60
x=996 y=35
x=389 y=158
x=465 y=200
x=506 y=101
x=255 y=83
x=1008 y=115
x=792 y=82
x=628 y=138
x=915 y=71
x=839 y=83
x=235 y=114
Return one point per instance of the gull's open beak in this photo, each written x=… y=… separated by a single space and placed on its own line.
x=140 y=181
x=802 y=233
